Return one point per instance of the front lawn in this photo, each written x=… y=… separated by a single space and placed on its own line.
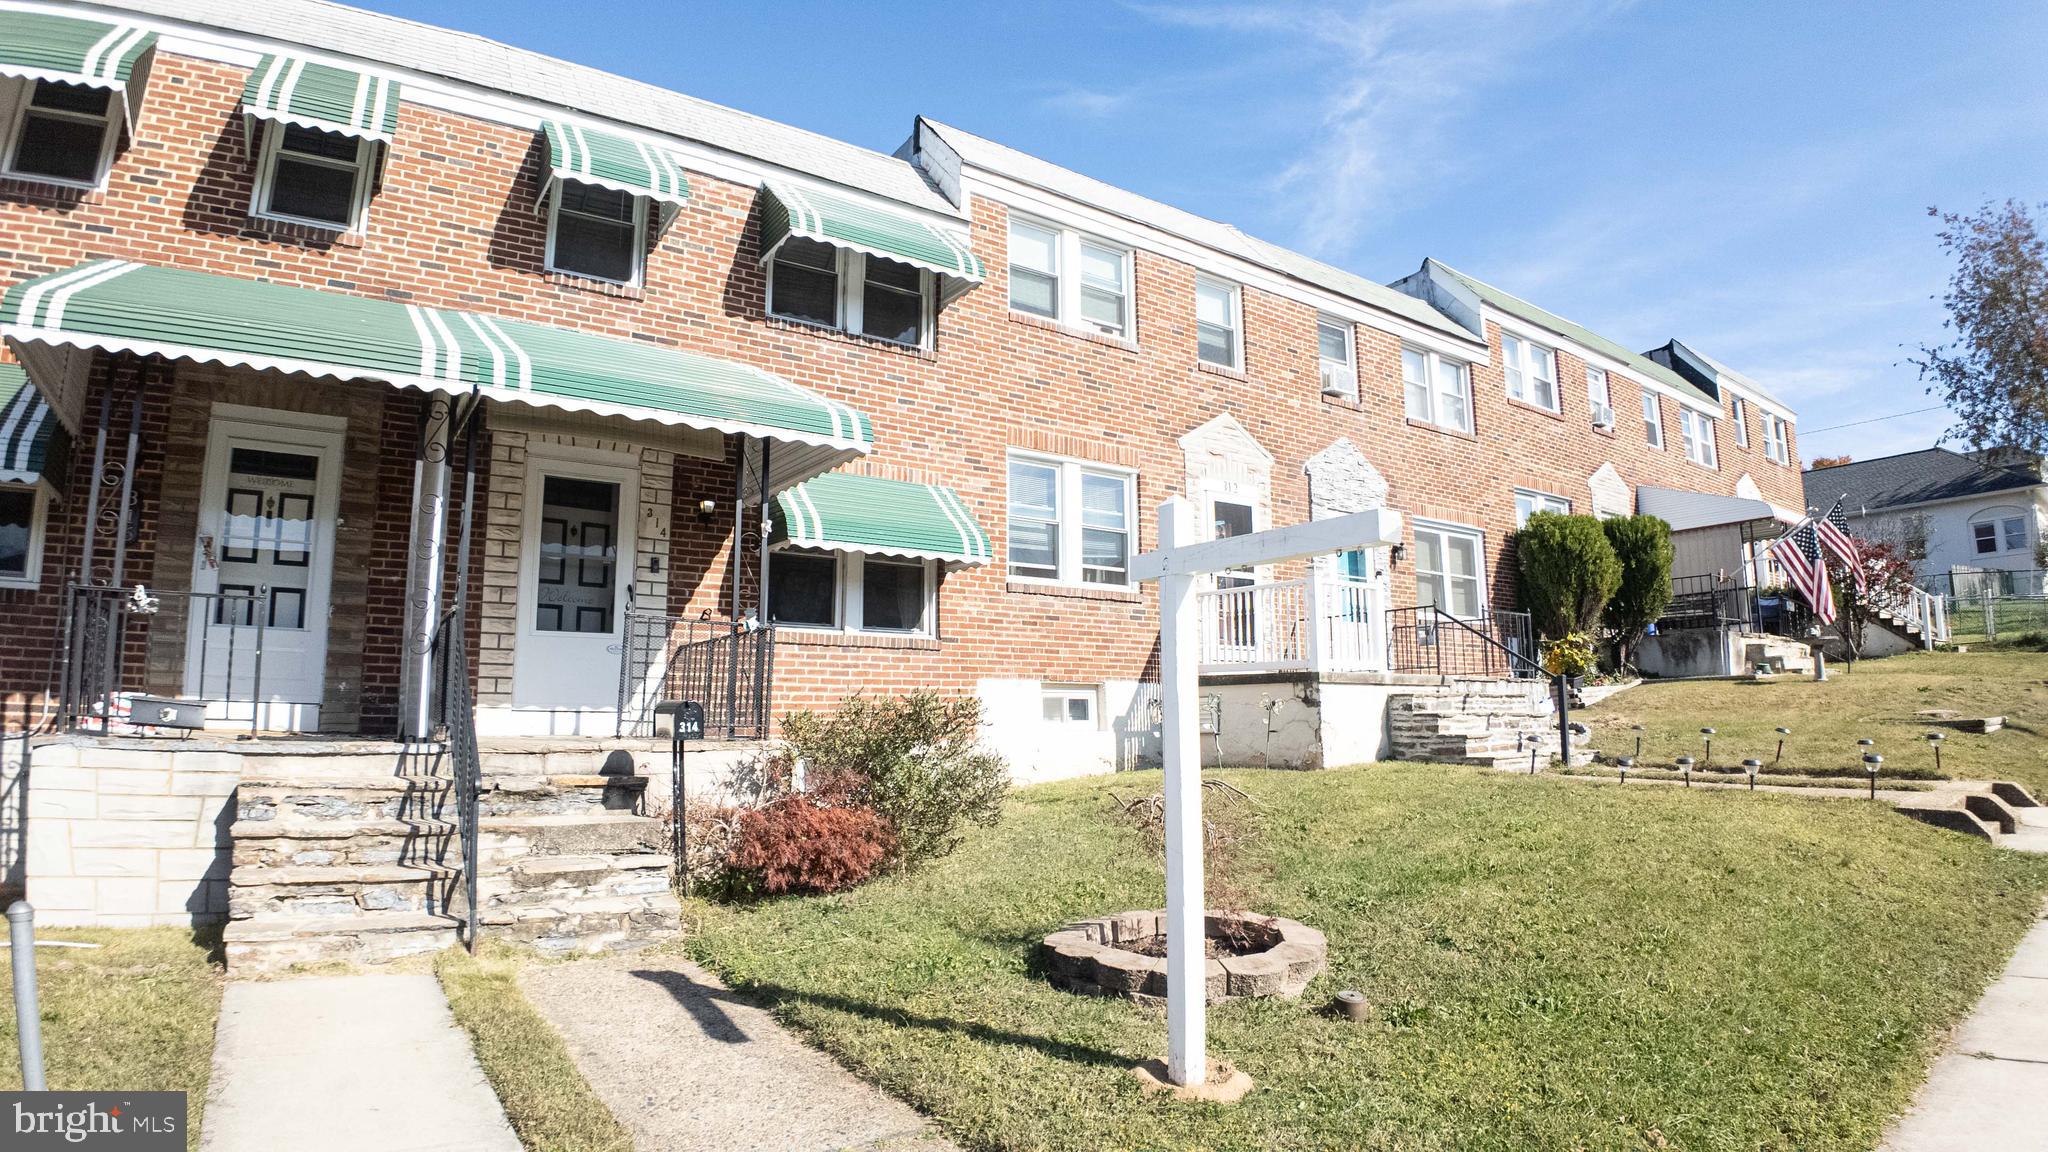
x=1555 y=964
x=136 y=1014
x=1877 y=701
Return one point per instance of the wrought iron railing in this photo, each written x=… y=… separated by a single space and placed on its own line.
x=727 y=667
x=121 y=642
x=465 y=765
x=1488 y=646
x=1704 y=602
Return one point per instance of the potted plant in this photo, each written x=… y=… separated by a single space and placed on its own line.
x=1570 y=656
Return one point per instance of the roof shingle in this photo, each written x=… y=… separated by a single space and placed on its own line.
x=1910 y=478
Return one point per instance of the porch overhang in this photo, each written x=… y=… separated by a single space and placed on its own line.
x=844 y=221
x=71 y=50
x=121 y=306
x=1690 y=511
x=295 y=90
x=841 y=512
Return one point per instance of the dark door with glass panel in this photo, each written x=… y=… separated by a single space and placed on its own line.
x=266 y=544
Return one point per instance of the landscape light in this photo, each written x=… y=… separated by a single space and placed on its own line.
x=1685 y=766
x=1871 y=763
x=1638 y=730
x=1751 y=766
x=1708 y=758
x=1934 y=740
x=1782 y=733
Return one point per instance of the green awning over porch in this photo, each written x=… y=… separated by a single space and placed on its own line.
x=842 y=221
x=841 y=512
x=34 y=448
x=70 y=50
x=119 y=306
x=294 y=90
x=594 y=156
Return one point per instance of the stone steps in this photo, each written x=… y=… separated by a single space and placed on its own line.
x=1490 y=723
x=273 y=943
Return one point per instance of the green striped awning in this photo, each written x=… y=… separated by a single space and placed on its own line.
x=34 y=447
x=840 y=220
x=295 y=90
x=594 y=156
x=99 y=53
x=119 y=306
x=842 y=512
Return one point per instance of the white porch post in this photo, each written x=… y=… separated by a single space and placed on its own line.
x=425 y=557
x=1187 y=1039
x=1316 y=643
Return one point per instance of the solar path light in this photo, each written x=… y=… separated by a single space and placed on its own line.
x=1707 y=757
x=1625 y=763
x=1638 y=730
x=1751 y=767
x=1934 y=740
x=1685 y=766
x=1871 y=763
x=1782 y=733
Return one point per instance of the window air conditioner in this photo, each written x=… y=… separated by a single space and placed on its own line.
x=1603 y=417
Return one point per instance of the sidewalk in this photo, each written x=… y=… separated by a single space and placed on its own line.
x=687 y=1066
x=344 y=1064
x=1989 y=1091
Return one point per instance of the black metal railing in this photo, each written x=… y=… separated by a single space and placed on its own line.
x=728 y=667
x=465 y=766
x=1705 y=602
x=121 y=642
x=1489 y=646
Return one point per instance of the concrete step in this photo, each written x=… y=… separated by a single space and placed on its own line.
x=1950 y=814
x=274 y=943
x=339 y=890
x=1992 y=811
x=588 y=924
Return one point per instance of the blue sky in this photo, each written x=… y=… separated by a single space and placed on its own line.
x=1752 y=178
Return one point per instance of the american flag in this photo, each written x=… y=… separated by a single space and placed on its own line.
x=1798 y=552
x=1834 y=532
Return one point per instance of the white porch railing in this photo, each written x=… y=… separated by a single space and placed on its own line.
x=1930 y=611
x=1312 y=623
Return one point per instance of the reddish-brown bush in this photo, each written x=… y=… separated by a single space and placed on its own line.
x=793 y=845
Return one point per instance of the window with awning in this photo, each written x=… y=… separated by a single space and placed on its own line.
x=68 y=86
x=841 y=220
x=604 y=193
x=843 y=512
x=120 y=306
x=70 y=50
x=316 y=132
x=34 y=447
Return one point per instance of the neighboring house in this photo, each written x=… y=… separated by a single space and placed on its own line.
x=723 y=408
x=1951 y=513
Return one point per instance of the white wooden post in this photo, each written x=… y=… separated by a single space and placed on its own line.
x=1315 y=643
x=1187 y=1040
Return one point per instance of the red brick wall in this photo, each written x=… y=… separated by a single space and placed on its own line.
x=453 y=225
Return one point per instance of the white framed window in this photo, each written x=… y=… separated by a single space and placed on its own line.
x=851 y=592
x=23 y=512
x=306 y=176
x=1529 y=502
x=1071 y=521
x=1531 y=371
x=1098 y=299
x=1450 y=568
x=1219 y=322
x=1995 y=533
x=1336 y=344
x=1777 y=439
x=597 y=232
x=1438 y=389
x=1653 y=420
x=1696 y=430
x=832 y=287
x=1738 y=411
x=62 y=134
x=1071 y=705
x=1598 y=398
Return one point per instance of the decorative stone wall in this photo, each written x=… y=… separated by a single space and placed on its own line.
x=1093 y=957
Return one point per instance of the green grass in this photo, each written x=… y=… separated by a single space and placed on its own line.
x=550 y=1105
x=136 y=1014
x=1554 y=965
x=2012 y=616
x=1876 y=701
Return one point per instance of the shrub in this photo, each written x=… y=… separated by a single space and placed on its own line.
x=1642 y=545
x=1568 y=572
x=795 y=845
x=913 y=759
x=1569 y=655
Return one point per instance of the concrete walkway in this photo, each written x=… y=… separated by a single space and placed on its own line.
x=687 y=1066
x=1989 y=1091
x=344 y=1064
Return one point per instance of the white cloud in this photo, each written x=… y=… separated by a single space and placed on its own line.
x=1086 y=103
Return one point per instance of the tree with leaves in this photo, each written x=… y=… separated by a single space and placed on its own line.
x=1642 y=545
x=1887 y=587
x=1994 y=374
x=1568 y=572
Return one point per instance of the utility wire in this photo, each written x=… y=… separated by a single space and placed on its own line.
x=1873 y=419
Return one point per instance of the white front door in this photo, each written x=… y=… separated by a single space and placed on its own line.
x=262 y=567
x=575 y=570
x=1237 y=617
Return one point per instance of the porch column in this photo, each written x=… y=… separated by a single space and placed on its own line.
x=425 y=559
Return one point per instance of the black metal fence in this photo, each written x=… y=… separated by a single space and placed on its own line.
x=1427 y=639
x=727 y=667
x=465 y=764
x=1701 y=602
x=120 y=642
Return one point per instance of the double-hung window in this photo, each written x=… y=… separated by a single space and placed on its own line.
x=852 y=291
x=1528 y=503
x=1531 y=371
x=1070 y=521
x=63 y=134
x=1218 y=323
x=1439 y=390
x=1097 y=299
x=1449 y=568
x=1696 y=428
x=851 y=592
x=1776 y=437
x=309 y=176
x=2009 y=533
x=1738 y=411
x=21 y=535
x=597 y=232
x=1335 y=342
x=1598 y=401
x=1653 y=420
